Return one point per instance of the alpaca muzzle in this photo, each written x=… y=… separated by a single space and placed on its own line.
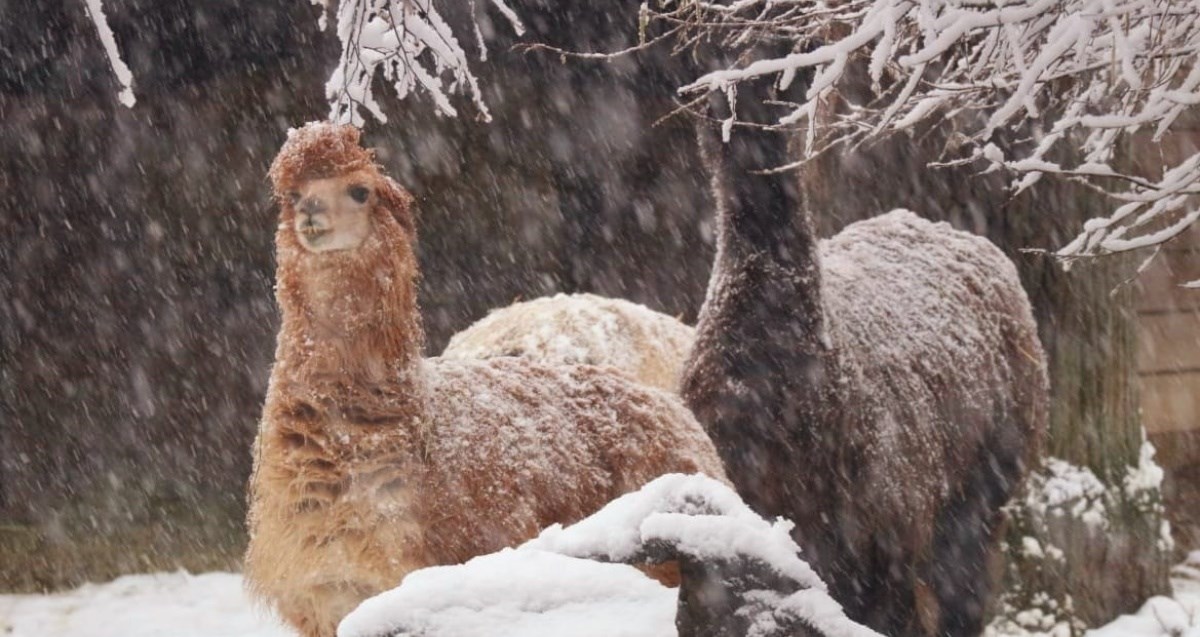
x=313 y=228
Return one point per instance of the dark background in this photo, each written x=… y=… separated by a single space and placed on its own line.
x=137 y=319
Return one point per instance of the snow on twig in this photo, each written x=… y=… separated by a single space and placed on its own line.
x=412 y=46
x=1079 y=78
x=95 y=11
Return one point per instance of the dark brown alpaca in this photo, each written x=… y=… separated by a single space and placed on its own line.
x=372 y=461
x=884 y=389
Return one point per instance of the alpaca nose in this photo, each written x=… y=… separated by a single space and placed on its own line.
x=312 y=205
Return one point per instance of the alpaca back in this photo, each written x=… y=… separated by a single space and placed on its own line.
x=947 y=394
x=937 y=334
x=372 y=461
x=582 y=329
x=518 y=445
x=895 y=446
x=884 y=389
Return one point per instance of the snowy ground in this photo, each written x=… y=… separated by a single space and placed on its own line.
x=214 y=605
x=158 y=605
x=1177 y=616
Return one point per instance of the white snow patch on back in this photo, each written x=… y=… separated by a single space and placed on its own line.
x=578 y=329
x=548 y=587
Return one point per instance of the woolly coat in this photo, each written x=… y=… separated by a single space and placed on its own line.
x=371 y=461
x=884 y=389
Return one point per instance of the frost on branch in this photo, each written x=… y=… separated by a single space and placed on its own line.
x=1076 y=79
x=412 y=46
x=95 y=11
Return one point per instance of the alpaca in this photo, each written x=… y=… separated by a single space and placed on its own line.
x=371 y=461
x=885 y=389
x=582 y=328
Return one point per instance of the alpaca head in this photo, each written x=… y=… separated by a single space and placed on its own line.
x=345 y=246
x=334 y=201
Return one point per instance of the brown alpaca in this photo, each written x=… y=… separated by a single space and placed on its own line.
x=884 y=389
x=372 y=461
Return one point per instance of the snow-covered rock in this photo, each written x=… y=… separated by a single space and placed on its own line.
x=519 y=592
x=741 y=575
x=1176 y=616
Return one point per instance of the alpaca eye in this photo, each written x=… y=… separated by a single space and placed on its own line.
x=293 y=197
x=359 y=193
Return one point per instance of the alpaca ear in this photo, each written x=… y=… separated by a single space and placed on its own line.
x=400 y=203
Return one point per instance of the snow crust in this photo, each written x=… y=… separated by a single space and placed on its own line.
x=215 y=605
x=703 y=517
x=1063 y=484
x=1061 y=490
x=1064 y=488
x=1176 y=616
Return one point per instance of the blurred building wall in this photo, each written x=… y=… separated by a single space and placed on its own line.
x=1169 y=346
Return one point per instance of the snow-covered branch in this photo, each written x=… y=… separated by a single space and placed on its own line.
x=1036 y=87
x=412 y=46
x=1077 y=79
x=95 y=11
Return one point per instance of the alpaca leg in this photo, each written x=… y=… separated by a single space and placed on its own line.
x=965 y=542
x=960 y=576
x=666 y=573
x=317 y=611
x=877 y=590
x=965 y=588
x=300 y=614
x=898 y=600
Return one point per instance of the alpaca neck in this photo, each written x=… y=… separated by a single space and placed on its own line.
x=766 y=247
x=760 y=375
x=356 y=325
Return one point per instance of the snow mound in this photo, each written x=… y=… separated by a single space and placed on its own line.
x=519 y=592
x=695 y=514
x=1074 y=489
x=579 y=329
x=175 y=604
x=1177 y=616
x=562 y=582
